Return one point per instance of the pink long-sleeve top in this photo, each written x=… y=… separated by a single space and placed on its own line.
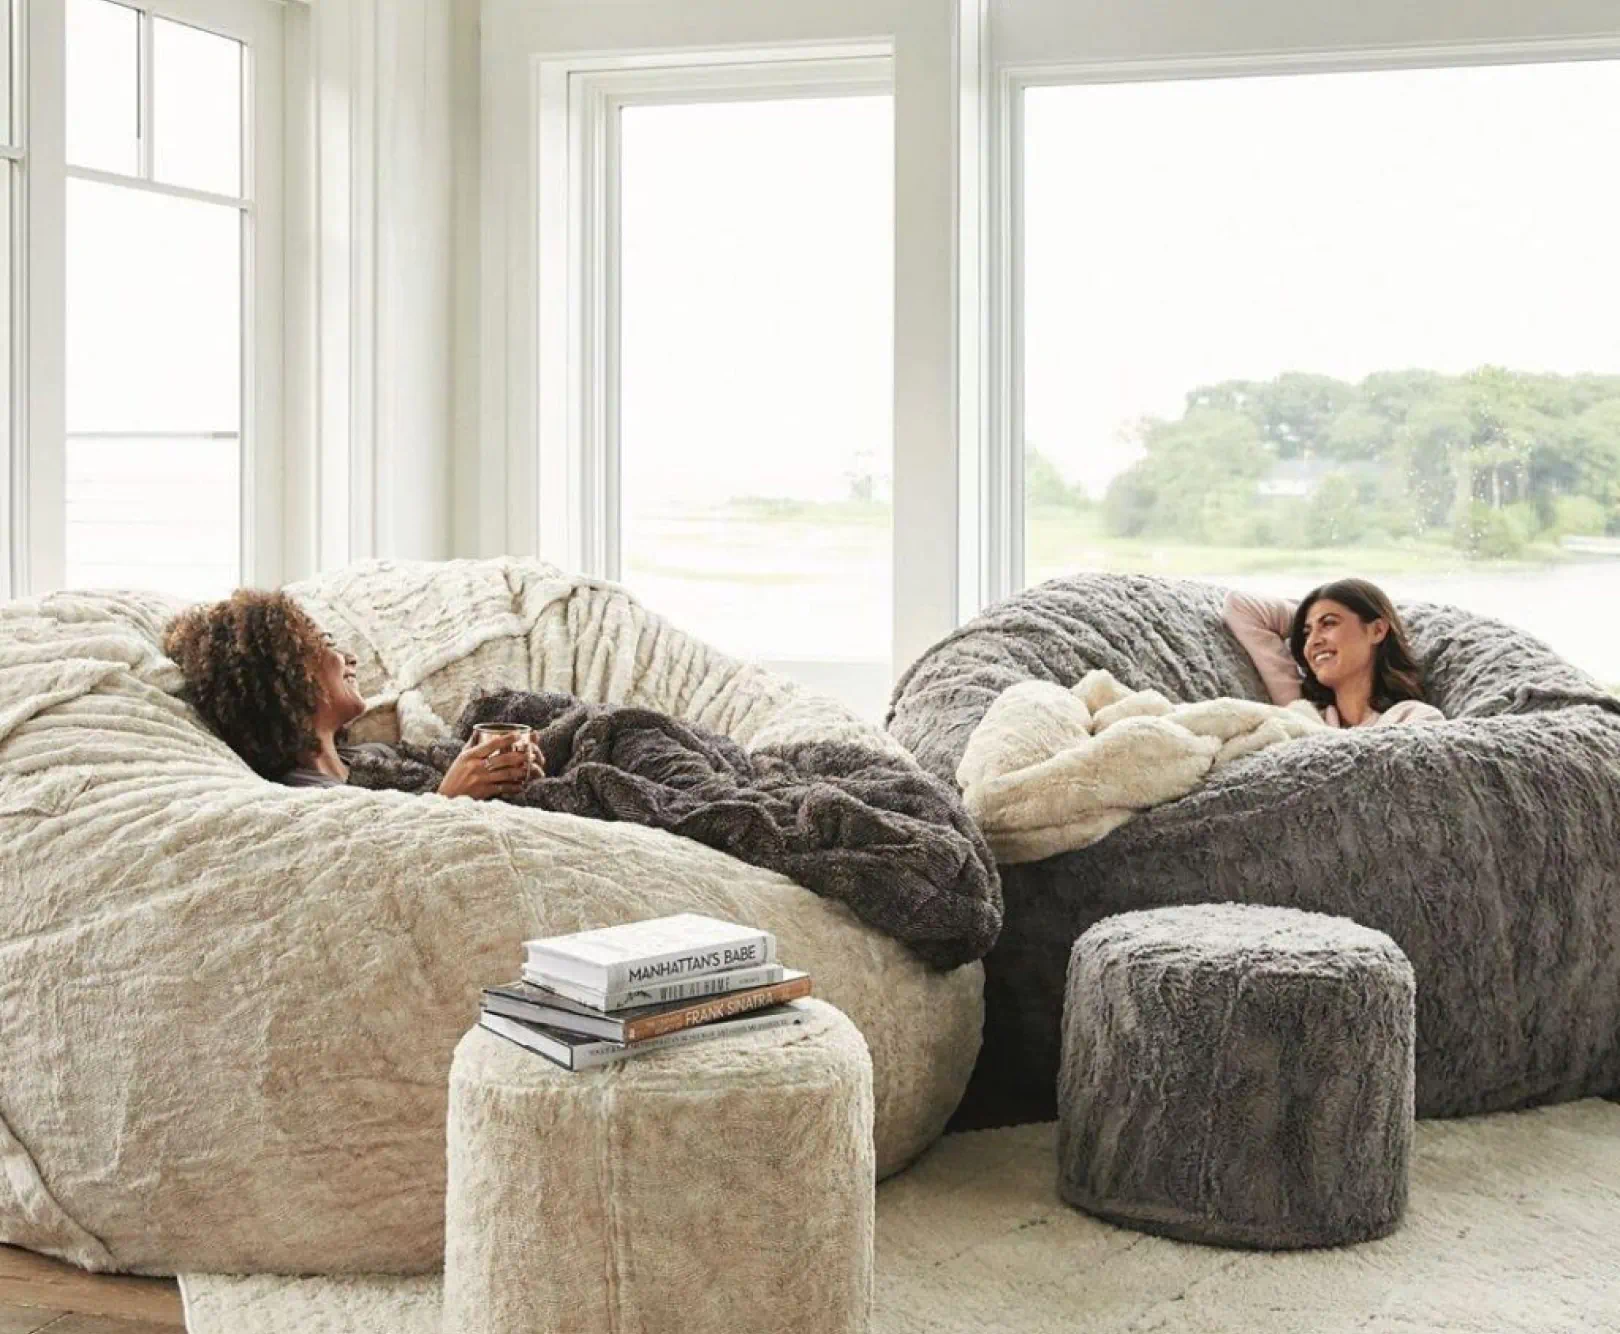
x=1262 y=626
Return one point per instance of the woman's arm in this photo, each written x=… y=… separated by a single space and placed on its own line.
x=1262 y=626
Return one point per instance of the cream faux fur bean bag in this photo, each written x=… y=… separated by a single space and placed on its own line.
x=230 y=1006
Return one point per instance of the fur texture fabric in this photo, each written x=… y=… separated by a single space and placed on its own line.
x=669 y=1193
x=1049 y=770
x=1484 y=846
x=843 y=819
x=228 y=1007
x=1510 y=1230
x=1239 y=1076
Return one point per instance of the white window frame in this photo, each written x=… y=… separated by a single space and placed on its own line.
x=39 y=448
x=579 y=445
x=579 y=452
x=524 y=504
x=1044 y=42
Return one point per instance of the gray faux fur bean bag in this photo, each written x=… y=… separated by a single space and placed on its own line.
x=1487 y=847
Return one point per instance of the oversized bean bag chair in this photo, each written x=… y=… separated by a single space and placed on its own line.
x=230 y=1006
x=1487 y=846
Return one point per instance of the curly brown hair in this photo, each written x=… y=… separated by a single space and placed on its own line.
x=249 y=663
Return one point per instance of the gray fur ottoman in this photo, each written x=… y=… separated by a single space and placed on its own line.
x=1237 y=1075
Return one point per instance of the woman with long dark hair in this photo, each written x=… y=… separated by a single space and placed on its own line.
x=1343 y=648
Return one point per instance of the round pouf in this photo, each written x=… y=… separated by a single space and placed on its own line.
x=724 y=1184
x=1237 y=1075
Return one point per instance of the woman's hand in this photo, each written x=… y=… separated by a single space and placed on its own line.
x=496 y=768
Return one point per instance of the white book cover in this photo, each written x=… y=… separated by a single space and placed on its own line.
x=658 y=993
x=659 y=949
x=579 y=1053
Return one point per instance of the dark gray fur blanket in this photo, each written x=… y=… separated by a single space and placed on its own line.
x=850 y=823
x=1487 y=846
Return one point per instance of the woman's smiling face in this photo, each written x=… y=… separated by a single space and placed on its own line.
x=341 y=701
x=1339 y=645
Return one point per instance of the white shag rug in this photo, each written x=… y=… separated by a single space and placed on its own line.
x=1513 y=1225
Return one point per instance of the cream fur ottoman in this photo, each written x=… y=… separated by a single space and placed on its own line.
x=723 y=1185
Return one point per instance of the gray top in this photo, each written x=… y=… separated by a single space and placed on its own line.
x=302 y=777
x=309 y=778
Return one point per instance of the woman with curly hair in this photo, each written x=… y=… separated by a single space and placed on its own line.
x=1343 y=648
x=279 y=692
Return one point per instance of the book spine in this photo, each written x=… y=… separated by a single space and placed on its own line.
x=710 y=984
x=722 y=1007
x=606 y=1053
x=749 y=952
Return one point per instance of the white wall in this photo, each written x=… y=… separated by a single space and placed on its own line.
x=371 y=100
x=413 y=217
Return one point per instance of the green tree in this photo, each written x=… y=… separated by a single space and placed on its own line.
x=1045 y=485
x=1336 y=514
x=1209 y=453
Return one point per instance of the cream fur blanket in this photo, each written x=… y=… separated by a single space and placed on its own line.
x=227 y=1007
x=1048 y=770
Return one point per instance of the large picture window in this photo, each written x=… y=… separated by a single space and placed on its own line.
x=1282 y=328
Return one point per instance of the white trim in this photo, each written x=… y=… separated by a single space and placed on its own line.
x=154 y=435
x=149 y=186
x=1004 y=523
x=300 y=486
x=13 y=467
x=38 y=449
x=369 y=527
x=145 y=97
x=331 y=133
x=976 y=478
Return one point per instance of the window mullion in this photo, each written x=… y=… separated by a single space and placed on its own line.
x=146 y=100
x=606 y=470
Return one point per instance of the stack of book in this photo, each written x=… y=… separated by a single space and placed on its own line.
x=600 y=996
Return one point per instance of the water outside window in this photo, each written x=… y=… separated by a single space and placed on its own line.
x=1281 y=329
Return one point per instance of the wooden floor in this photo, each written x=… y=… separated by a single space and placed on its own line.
x=37 y=1294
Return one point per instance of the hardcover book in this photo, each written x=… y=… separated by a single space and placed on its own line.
x=573 y=1051
x=535 y=1005
x=660 y=949
x=708 y=984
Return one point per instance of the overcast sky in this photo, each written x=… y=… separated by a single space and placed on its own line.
x=1178 y=233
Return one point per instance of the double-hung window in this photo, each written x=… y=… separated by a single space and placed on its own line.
x=152 y=450
x=729 y=449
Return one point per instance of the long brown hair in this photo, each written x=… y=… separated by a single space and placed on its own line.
x=1396 y=674
x=249 y=664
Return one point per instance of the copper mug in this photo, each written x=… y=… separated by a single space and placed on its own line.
x=521 y=734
